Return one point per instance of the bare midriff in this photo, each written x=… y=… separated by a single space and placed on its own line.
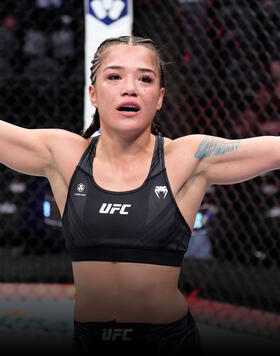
x=127 y=292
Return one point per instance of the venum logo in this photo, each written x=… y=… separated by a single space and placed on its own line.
x=109 y=208
x=161 y=191
x=108 y=11
x=114 y=334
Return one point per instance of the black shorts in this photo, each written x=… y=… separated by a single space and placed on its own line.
x=108 y=338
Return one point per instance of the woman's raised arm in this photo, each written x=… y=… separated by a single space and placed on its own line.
x=224 y=161
x=33 y=151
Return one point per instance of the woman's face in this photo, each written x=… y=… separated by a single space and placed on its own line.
x=127 y=91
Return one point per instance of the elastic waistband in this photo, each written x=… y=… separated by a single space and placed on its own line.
x=122 y=254
x=113 y=330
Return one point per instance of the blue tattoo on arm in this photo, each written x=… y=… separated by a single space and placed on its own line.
x=210 y=147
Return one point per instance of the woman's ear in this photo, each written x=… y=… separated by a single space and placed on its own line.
x=92 y=95
x=160 y=98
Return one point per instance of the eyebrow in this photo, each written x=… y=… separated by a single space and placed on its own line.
x=138 y=69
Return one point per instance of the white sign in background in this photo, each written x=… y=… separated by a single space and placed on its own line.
x=103 y=19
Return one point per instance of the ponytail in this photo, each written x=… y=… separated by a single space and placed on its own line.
x=94 y=126
x=155 y=129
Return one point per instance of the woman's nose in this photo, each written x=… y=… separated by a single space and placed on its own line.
x=129 y=87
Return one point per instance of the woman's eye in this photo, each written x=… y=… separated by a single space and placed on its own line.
x=146 y=79
x=113 y=77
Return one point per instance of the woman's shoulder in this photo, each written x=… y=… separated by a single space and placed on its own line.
x=62 y=137
x=64 y=145
x=62 y=133
x=185 y=143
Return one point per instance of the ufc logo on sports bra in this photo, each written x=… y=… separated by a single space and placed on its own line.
x=109 y=208
x=114 y=334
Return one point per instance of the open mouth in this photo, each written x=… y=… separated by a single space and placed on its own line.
x=129 y=108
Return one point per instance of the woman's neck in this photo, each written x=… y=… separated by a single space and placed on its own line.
x=115 y=147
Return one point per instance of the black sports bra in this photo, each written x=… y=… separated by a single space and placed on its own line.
x=143 y=225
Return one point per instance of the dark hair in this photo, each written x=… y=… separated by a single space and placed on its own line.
x=96 y=62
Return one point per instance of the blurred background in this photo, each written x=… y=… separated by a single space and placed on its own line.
x=223 y=78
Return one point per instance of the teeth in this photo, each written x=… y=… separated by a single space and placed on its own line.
x=128 y=108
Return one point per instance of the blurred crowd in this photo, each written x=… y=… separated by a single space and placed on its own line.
x=38 y=39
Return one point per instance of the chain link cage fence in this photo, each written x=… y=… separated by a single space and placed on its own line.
x=223 y=79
